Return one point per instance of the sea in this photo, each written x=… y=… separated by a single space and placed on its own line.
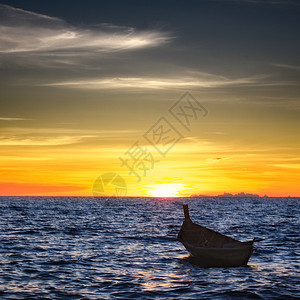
x=126 y=248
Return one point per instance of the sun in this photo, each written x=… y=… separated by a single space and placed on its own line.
x=164 y=190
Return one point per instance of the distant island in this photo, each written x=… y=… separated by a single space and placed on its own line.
x=242 y=194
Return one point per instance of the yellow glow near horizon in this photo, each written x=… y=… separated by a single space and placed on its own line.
x=164 y=190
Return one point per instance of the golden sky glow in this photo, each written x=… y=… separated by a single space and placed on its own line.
x=75 y=99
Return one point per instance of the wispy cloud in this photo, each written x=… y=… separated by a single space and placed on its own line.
x=286 y=66
x=39 y=141
x=204 y=81
x=24 y=32
x=13 y=119
x=23 y=131
x=284 y=102
x=15 y=136
x=288 y=166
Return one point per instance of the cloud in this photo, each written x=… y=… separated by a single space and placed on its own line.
x=15 y=136
x=24 y=32
x=23 y=131
x=13 y=119
x=39 y=141
x=288 y=166
x=283 y=102
x=187 y=82
x=286 y=66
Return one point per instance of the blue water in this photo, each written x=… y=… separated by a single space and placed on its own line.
x=86 y=248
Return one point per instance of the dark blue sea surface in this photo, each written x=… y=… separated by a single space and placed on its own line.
x=126 y=248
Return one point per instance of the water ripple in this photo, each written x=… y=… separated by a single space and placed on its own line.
x=85 y=248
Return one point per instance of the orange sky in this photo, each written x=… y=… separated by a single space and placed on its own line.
x=210 y=159
x=75 y=99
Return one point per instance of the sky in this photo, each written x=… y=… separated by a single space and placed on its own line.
x=149 y=98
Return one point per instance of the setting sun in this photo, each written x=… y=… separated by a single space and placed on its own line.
x=165 y=190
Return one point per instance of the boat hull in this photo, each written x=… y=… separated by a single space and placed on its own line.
x=219 y=257
x=209 y=248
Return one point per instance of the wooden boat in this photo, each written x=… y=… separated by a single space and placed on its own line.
x=209 y=248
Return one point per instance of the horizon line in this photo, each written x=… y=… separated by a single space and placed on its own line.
x=171 y=197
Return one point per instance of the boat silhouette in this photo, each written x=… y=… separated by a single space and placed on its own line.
x=209 y=248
